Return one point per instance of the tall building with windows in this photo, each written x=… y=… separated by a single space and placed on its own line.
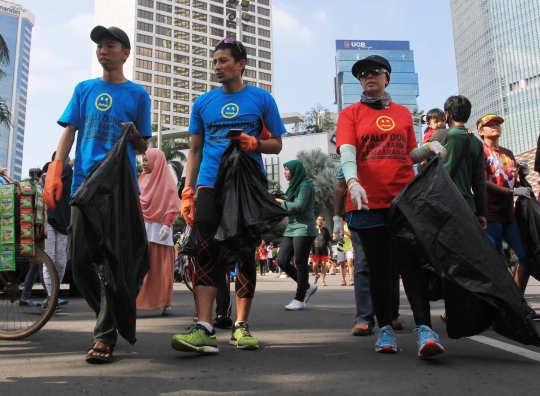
x=498 y=64
x=16 y=24
x=403 y=81
x=172 y=47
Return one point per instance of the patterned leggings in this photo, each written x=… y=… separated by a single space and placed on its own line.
x=207 y=222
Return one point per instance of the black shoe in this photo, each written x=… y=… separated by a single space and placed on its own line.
x=223 y=322
x=46 y=303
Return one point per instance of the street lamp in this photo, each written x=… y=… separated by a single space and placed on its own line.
x=239 y=15
x=418 y=120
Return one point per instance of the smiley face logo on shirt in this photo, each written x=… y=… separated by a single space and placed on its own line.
x=385 y=123
x=230 y=110
x=103 y=102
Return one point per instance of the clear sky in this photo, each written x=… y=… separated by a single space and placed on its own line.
x=305 y=32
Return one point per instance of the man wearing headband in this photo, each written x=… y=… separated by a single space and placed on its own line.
x=249 y=111
x=95 y=115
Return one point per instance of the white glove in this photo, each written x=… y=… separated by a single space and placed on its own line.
x=339 y=232
x=358 y=194
x=436 y=148
x=164 y=232
x=522 y=192
x=524 y=168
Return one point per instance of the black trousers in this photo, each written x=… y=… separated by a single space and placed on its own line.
x=86 y=277
x=382 y=253
x=298 y=247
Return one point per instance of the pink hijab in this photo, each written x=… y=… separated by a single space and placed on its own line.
x=159 y=195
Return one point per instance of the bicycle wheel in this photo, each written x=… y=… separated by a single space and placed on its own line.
x=187 y=272
x=19 y=321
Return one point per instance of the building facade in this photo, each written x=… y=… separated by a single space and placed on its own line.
x=498 y=64
x=16 y=24
x=403 y=82
x=172 y=48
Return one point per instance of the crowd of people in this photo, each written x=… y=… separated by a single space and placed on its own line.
x=377 y=146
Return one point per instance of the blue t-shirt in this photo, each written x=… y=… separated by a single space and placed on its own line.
x=97 y=110
x=215 y=112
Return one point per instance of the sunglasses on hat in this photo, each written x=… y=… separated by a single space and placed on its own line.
x=230 y=41
x=373 y=72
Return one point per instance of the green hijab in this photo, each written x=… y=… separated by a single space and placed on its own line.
x=299 y=177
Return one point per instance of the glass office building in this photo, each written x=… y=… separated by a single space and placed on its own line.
x=173 y=45
x=498 y=64
x=16 y=24
x=403 y=80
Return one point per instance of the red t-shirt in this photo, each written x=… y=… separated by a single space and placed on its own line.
x=428 y=135
x=383 y=139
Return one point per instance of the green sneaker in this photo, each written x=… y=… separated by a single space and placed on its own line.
x=242 y=338
x=197 y=340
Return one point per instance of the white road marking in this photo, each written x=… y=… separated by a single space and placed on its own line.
x=507 y=347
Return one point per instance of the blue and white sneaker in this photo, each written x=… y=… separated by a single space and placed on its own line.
x=312 y=289
x=295 y=305
x=428 y=342
x=387 y=340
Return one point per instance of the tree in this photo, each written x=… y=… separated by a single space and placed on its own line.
x=174 y=157
x=276 y=234
x=5 y=115
x=321 y=171
x=318 y=119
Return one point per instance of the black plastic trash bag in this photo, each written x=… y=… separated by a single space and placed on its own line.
x=109 y=200
x=432 y=219
x=189 y=242
x=248 y=209
x=528 y=221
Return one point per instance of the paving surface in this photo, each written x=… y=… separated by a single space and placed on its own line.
x=309 y=352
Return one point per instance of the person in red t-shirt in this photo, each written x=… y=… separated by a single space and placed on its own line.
x=263 y=256
x=436 y=119
x=501 y=181
x=377 y=143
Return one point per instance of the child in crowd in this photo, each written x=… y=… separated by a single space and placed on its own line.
x=435 y=119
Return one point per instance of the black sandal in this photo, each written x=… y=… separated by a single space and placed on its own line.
x=93 y=359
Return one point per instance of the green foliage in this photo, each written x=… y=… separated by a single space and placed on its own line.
x=276 y=234
x=318 y=119
x=321 y=171
x=175 y=158
x=5 y=115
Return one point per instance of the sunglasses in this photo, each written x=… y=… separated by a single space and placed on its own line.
x=230 y=41
x=373 y=72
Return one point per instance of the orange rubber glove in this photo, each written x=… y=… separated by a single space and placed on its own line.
x=53 y=184
x=247 y=143
x=188 y=206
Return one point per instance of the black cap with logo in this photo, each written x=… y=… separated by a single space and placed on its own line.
x=97 y=33
x=371 y=62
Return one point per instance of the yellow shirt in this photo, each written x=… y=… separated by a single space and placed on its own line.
x=347 y=243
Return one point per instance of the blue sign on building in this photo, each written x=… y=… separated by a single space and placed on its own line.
x=372 y=45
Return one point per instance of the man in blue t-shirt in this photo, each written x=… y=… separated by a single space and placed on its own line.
x=234 y=106
x=96 y=113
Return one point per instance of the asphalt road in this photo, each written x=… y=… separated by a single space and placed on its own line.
x=309 y=352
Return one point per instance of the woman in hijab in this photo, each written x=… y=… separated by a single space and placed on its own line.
x=160 y=205
x=299 y=234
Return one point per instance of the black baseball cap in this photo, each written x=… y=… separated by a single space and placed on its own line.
x=97 y=33
x=371 y=62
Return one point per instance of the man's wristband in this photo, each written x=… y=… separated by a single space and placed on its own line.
x=511 y=190
x=258 y=148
